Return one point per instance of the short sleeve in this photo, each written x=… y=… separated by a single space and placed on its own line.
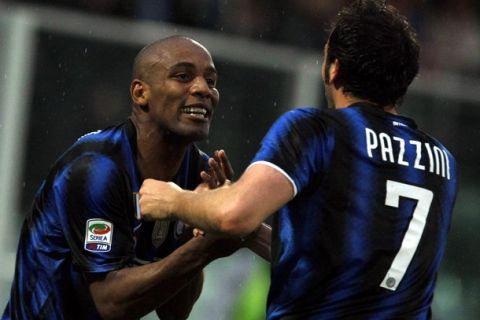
x=95 y=205
x=299 y=144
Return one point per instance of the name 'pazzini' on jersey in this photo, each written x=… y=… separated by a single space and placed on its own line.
x=383 y=143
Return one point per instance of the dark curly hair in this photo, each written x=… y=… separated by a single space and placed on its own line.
x=377 y=50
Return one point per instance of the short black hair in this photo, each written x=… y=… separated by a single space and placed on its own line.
x=142 y=64
x=377 y=50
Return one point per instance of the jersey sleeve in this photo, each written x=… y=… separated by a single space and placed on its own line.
x=95 y=205
x=299 y=145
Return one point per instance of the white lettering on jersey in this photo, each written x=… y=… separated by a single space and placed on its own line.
x=418 y=146
x=401 y=152
x=392 y=149
x=386 y=147
x=372 y=141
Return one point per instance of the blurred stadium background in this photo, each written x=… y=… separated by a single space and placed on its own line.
x=65 y=71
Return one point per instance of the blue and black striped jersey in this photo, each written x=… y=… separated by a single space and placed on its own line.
x=83 y=220
x=365 y=233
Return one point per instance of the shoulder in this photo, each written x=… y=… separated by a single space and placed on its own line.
x=94 y=156
x=90 y=172
x=99 y=147
x=303 y=121
x=431 y=139
x=94 y=163
x=112 y=134
x=303 y=113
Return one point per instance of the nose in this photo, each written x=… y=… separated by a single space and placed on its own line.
x=201 y=88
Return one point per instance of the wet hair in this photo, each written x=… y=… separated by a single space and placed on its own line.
x=377 y=50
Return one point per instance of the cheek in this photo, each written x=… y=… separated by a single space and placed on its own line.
x=168 y=98
x=215 y=97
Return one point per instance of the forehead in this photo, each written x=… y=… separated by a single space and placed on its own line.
x=183 y=52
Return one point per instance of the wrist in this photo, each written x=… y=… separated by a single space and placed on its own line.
x=174 y=203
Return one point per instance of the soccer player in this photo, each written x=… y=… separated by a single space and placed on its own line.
x=84 y=253
x=364 y=196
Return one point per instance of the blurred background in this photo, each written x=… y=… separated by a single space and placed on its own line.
x=65 y=70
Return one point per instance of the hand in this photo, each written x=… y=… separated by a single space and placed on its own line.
x=157 y=199
x=218 y=246
x=220 y=171
x=198 y=232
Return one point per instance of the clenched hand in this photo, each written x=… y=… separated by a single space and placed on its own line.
x=157 y=199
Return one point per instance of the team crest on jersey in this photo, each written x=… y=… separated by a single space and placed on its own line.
x=179 y=229
x=160 y=232
x=98 y=236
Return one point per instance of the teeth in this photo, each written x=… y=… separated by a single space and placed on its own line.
x=195 y=110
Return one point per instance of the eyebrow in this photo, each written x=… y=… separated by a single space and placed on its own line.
x=191 y=65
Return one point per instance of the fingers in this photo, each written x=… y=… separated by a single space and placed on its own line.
x=221 y=157
x=216 y=171
x=220 y=169
x=208 y=180
x=198 y=232
x=219 y=173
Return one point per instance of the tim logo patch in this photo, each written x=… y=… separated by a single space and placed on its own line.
x=98 y=236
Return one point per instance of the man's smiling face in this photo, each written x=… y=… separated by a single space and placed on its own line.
x=182 y=95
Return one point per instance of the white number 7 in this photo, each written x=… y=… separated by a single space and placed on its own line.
x=399 y=266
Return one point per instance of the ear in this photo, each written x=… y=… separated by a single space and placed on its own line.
x=139 y=91
x=334 y=71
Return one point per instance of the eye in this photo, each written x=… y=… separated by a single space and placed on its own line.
x=183 y=77
x=211 y=82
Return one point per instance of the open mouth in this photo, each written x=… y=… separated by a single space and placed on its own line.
x=199 y=112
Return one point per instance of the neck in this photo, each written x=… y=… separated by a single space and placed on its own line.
x=159 y=155
x=342 y=100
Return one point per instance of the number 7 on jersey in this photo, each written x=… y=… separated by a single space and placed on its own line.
x=412 y=237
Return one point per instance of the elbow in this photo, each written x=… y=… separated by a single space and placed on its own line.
x=235 y=221
x=111 y=310
x=108 y=311
x=109 y=301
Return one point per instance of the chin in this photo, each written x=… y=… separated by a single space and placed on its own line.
x=190 y=133
x=200 y=136
x=200 y=133
x=195 y=135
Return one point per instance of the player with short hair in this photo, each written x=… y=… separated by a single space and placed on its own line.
x=84 y=253
x=364 y=197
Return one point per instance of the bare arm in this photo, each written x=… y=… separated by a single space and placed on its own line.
x=130 y=293
x=260 y=240
x=180 y=306
x=220 y=173
x=235 y=209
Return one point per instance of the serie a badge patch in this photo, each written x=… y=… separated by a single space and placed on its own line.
x=98 y=236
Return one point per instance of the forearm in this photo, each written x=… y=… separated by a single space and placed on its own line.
x=220 y=211
x=194 y=209
x=260 y=241
x=180 y=306
x=133 y=292
x=196 y=212
x=235 y=209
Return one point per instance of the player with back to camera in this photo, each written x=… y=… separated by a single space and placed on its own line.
x=365 y=197
x=83 y=251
